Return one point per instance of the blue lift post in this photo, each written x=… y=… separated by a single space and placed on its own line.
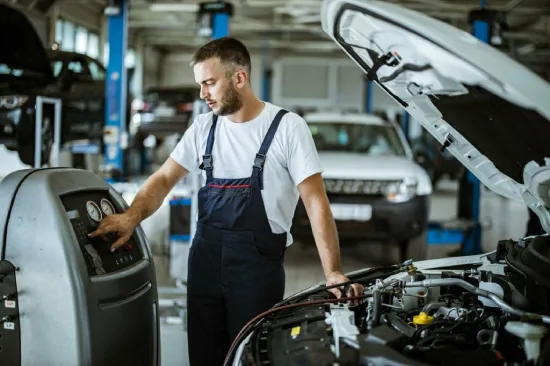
x=219 y=14
x=116 y=88
x=470 y=187
x=267 y=74
x=369 y=97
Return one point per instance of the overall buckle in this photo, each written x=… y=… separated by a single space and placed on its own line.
x=259 y=161
x=207 y=161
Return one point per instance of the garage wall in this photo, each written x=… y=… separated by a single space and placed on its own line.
x=89 y=16
x=302 y=82
x=298 y=82
x=176 y=71
x=152 y=60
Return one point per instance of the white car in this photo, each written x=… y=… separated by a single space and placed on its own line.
x=376 y=189
x=490 y=309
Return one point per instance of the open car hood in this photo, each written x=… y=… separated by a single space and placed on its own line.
x=493 y=111
x=21 y=45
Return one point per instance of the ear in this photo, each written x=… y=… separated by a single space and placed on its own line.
x=241 y=78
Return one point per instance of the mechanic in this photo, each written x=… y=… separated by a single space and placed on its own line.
x=257 y=158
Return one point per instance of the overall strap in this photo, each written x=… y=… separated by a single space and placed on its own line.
x=207 y=157
x=259 y=161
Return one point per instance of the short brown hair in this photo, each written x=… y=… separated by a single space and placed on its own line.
x=231 y=52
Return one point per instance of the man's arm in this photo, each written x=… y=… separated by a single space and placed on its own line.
x=313 y=195
x=155 y=189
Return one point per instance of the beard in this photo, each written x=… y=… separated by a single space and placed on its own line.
x=231 y=103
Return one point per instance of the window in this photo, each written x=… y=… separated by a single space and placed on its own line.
x=68 y=38
x=370 y=139
x=76 y=38
x=77 y=67
x=81 y=45
x=57 y=66
x=59 y=31
x=93 y=45
x=96 y=71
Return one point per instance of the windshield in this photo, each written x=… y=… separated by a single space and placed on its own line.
x=373 y=140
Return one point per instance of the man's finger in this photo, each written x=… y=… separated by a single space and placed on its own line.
x=336 y=291
x=120 y=242
x=102 y=229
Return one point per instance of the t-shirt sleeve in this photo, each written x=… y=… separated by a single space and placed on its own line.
x=186 y=151
x=303 y=159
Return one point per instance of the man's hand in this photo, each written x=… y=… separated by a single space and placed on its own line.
x=123 y=224
x=355 y=289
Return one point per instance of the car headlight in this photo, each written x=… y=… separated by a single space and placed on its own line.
x=401 y=191
x=13 y=101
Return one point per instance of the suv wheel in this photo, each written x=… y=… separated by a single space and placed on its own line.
x=415 y=248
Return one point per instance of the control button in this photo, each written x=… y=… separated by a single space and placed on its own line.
x=128 y=246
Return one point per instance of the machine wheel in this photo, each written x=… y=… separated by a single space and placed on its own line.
x=416 y=248
x=25 y=149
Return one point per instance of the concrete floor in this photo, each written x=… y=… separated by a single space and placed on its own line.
x=504 y=219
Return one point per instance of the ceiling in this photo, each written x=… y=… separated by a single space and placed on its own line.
x=293 y=26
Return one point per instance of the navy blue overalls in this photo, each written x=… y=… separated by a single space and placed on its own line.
x=235 y=262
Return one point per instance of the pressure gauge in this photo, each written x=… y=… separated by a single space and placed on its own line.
x=93 y=210
x=107 y=207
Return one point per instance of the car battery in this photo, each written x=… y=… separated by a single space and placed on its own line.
x=68 y=299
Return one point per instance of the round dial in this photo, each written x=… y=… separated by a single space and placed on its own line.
x=107 y=207
x=94 y=211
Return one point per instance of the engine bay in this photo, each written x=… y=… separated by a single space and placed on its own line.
x=454 y=311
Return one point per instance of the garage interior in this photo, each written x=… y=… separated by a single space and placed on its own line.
x=149 y=44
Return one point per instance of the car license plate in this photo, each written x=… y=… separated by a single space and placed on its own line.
x=165 y=112
x=354 y=212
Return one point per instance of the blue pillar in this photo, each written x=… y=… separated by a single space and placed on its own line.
x=405 y=124
x=220 y=25
x=116 y=88
x=369 y=105
x=481 y=30
x=266 y=74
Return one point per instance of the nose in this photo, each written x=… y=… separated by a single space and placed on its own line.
x=204 y=92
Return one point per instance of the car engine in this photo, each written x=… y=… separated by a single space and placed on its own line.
x=492 y=309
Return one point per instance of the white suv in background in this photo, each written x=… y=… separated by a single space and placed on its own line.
x=376 y=190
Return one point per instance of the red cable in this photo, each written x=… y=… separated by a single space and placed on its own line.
x=283 y=307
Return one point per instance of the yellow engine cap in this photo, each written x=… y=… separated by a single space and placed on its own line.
x=422 y=319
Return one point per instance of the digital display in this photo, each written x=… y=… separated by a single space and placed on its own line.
x=73 y=214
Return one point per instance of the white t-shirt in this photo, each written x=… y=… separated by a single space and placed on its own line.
x=291 y=158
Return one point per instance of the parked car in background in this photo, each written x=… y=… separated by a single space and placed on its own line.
x=163 y=111
x=376 y=190
x=438 y=164
x=27 y=71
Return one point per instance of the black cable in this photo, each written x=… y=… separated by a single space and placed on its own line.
x=257 y=320
x=364 y=277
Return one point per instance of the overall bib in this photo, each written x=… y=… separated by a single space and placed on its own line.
x=235 y=262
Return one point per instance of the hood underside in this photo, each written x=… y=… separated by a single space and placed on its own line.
x=491 y=112
x=20 y=44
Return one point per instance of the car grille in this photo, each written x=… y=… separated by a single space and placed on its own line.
x=358 y=187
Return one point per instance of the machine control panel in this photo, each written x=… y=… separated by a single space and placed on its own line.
x=85 y=210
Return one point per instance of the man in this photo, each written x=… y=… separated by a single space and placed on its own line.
x=257 y=159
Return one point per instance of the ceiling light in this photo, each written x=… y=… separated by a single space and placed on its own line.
x=174 y=7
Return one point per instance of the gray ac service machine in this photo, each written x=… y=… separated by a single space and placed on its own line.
x=67 y=300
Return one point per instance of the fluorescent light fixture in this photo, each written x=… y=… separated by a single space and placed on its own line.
x=174 y=7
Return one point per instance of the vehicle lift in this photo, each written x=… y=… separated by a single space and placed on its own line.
x=115 y=135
